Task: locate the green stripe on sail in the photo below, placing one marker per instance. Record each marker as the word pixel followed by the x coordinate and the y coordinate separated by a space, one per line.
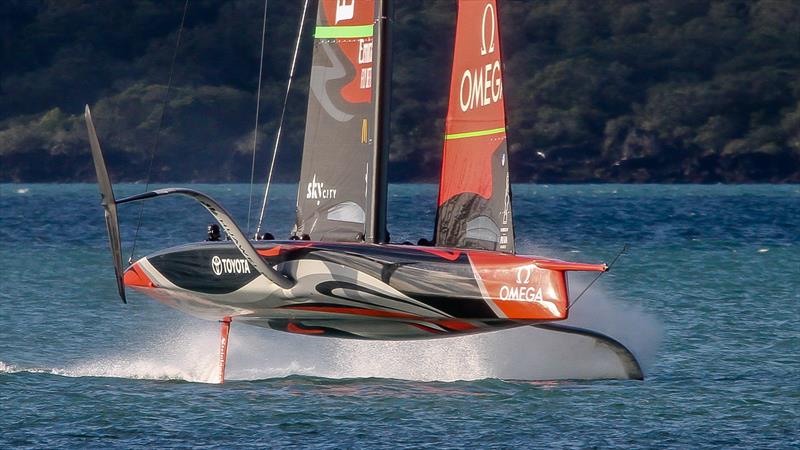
pixel 470 134
pixel 343 32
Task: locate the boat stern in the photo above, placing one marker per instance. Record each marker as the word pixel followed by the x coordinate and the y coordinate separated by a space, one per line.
pixel 526 288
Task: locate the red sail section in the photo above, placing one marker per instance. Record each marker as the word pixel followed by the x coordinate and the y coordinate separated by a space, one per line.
pixel 474 194
pixel 352 13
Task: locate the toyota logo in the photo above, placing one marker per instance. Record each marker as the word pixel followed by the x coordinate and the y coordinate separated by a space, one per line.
pixel 216 265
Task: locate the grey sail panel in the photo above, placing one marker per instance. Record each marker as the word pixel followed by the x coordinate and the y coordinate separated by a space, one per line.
pixel 336 198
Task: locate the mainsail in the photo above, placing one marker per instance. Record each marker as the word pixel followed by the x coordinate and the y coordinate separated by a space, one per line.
pixel 341 196
pixel 474 194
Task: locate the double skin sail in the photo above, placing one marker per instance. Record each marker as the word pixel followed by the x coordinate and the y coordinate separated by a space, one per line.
pixel 341 196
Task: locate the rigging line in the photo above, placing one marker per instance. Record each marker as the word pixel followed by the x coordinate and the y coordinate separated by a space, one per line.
pixel 160 126
pixel 258 110
pixel 610 265
pixel 283 115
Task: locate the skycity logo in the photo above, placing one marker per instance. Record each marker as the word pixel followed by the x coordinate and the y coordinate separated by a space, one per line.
pixel 345 10
pixel 229 266
pixel 317 191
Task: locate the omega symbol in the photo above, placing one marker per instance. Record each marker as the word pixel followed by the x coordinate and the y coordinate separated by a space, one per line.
pixel 488 11
pixel 524 274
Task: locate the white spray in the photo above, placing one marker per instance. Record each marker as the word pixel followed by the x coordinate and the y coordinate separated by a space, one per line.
pixel 189 352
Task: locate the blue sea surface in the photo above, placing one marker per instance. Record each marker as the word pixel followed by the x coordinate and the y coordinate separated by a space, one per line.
pixel 707 296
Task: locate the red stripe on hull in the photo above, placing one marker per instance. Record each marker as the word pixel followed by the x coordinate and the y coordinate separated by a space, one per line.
pixel 278 249
pixel 448 255
pixel 292 328
pixel 456 325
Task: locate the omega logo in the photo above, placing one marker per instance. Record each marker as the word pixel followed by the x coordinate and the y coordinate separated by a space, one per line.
pixel 483 86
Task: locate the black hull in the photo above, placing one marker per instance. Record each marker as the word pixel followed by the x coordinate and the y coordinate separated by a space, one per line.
pixel 362 291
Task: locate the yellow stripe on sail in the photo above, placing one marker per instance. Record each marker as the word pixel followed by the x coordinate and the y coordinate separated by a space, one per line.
pixel 469 134
pixel 344 32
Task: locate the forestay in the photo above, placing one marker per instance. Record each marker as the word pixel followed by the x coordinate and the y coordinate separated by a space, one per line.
pixel 474 194
pixel 341 195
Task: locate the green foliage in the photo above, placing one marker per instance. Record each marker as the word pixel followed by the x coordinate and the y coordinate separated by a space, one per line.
pixel 619 90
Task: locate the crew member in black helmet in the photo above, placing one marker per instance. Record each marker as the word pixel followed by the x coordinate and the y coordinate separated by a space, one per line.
pixel 213 232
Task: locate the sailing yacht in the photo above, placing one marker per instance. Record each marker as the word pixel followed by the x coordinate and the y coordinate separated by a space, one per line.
pixel 339 276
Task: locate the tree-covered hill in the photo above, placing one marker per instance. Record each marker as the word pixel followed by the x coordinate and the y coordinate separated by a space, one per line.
pixel 618 90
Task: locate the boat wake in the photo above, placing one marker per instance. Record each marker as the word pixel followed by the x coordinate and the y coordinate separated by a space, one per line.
pixel 189 353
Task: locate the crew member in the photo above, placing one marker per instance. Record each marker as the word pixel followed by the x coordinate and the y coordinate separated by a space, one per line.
pixel 213 233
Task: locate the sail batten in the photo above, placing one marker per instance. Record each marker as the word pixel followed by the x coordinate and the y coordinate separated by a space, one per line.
pixel 474 193
pixel 344 126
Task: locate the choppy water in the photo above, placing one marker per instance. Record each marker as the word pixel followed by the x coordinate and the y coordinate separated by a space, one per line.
pixel 707 296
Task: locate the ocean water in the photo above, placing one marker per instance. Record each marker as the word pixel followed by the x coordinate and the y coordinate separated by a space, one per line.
pixel 707 297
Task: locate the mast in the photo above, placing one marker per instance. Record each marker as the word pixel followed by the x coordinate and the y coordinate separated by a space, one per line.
pixel 378 232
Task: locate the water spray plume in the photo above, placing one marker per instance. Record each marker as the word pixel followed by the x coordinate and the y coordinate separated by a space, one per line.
pixel 189 353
